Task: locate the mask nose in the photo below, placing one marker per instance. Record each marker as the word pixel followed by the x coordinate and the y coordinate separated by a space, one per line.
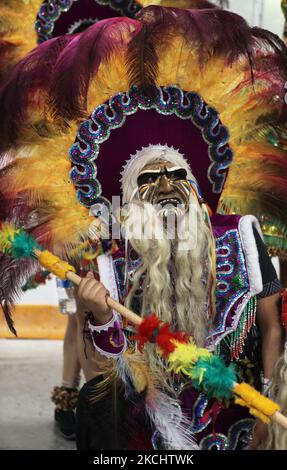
pixel 164 185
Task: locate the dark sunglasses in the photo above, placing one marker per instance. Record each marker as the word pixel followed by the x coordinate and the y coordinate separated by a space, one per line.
pixel 152 176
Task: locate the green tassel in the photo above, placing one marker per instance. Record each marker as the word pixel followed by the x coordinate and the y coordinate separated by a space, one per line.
pixel 213 377
pixel 23 245
pixel 30 284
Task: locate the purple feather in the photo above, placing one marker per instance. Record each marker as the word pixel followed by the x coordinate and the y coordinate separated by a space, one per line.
pixel 21 85
pixel 80 61
pixel 58 72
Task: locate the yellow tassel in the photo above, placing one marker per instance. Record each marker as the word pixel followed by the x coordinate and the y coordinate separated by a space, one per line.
pixel 184 356
pixel 258 405
pixel 55 265
pixel 253 411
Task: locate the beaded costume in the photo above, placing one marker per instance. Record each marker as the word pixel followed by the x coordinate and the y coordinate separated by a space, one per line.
pixel 202 81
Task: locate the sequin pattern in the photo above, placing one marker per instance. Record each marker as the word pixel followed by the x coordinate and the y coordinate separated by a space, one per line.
pixel 51 11
pixel 168 101
pixel 197 423
pixel 238 437
pixel 240 433
pixel 214 442
pixel 232 279
pixel 119 269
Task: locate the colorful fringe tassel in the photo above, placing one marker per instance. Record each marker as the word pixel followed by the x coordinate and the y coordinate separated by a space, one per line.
pixel 152 330
pixel 207 371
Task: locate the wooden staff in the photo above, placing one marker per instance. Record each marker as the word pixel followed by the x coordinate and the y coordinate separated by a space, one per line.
pixel 130 316
pixel 63 269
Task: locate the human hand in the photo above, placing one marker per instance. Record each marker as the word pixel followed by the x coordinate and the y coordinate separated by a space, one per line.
pixel 92 296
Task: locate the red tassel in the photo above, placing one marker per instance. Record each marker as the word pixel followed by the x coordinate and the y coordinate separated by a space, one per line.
pixel 40 278
pixel 147 331
pixel 152 331
pixel 165 339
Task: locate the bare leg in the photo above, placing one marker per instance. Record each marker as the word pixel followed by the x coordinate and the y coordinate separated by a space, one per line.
pixel 71 365
pixel 65 397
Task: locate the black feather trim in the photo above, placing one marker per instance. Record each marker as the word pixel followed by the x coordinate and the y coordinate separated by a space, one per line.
pixel 14 274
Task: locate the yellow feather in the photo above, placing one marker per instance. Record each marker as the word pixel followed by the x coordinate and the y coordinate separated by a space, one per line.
pixel 50 190
pixel 184 356
pixel 17 25
pixel 7 234
pixel 242 106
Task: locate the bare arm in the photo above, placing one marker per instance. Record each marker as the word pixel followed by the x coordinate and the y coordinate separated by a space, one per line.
pixel 268 321
pixel 91 295
pixel 92 362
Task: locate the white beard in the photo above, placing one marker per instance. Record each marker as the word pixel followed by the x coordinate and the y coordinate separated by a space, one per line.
pixel 178 270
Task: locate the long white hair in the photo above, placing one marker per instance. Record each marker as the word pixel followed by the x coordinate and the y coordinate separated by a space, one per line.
pixel 178 275
pixel 277 435
pixel 177 270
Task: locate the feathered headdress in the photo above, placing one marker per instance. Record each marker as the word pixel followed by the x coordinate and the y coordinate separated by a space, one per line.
pixel 25 23
pixel 257 181
pixel 202 81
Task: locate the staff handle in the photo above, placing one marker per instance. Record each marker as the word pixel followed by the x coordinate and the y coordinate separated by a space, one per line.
pixel 130 316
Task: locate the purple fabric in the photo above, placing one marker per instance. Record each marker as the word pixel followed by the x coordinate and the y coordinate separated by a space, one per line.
pixel 80 10
pixel 150 127
pixel 212 427
pixel 111 341
pixel 222 223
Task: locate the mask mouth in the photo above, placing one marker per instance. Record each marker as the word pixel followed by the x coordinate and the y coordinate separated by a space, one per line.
pixel 170 207
pixel 169 201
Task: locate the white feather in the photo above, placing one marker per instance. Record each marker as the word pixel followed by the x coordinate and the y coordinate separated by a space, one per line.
pixel 168 419
pixel 164 412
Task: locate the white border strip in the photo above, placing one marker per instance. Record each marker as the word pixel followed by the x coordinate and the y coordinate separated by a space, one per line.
pixel 107 275
pixel 245 228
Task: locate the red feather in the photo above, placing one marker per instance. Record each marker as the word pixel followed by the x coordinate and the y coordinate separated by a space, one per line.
pixel 151 330
pixel 166 337
pixel 146 331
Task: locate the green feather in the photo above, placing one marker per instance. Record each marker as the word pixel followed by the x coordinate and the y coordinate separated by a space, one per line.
pixel 30 284
pixel 211 375
pixel 23 245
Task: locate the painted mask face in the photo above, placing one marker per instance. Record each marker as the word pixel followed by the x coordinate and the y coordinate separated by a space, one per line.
pixel 163 184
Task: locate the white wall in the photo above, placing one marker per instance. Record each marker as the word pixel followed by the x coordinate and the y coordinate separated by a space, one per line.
pixel 43 295
pixel 272 17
